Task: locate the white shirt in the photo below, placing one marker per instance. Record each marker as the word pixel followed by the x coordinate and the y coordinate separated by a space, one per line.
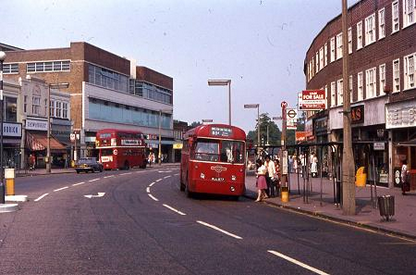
pixel 271 168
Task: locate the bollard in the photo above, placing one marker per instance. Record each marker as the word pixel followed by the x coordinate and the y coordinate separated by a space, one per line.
pixel 9 175
pixel 285 194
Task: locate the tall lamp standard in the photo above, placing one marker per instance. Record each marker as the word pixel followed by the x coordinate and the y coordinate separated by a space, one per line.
pixel 253 106
pixel 2 189
pixel 223 82
pixel 48 149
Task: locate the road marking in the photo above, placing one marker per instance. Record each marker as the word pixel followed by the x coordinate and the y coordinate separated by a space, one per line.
pixel 79 183
pixel 125 173
pixel 99 195
pixel 167 177
pixel 150 185
pixel 287 258
pixel 174 210
pixel 106 177
pixel 158 180
pixel 152 197
pixel 94 180
pixel 176 174
pixel 148 189
pixel 41 197
pixel 220 230
pixel 60 189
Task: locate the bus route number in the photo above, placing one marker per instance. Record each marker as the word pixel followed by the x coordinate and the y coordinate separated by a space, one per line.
pixel 222 132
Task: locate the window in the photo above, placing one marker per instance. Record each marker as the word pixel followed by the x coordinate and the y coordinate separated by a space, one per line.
pixel 409 71
pixel 340 92
pixel 396 75
pixel 333 95
pixel 370 29
pixel 10 68
pixel 317 62
pixel 58 109
pixel 382 74
pixel 381 24
pixel 339 46
pixel 409 10
pixel 321 57
pixel 108 79
pixel 370 81
pixel 350 87
pixel 64 110
pixel 46 107
pixel 325 54
pixel 35 105
pixel 395 16
pixel 50 66
pixel 25 104
pixel 52 108
pixel 332 45
pixel 359 35
pixel 360 92
pixel 11 109
pixel 313 67
pixel 326 96
pixel 350 40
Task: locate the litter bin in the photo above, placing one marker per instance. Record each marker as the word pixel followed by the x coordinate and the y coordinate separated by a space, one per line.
pixel 360 177
pixel 285 194
pixel 9 175
pixel 386 206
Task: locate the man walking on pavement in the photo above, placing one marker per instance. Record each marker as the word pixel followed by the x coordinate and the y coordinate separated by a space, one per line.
pixel 271 171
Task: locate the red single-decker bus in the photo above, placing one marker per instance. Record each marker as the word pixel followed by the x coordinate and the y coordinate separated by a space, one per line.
pixel 121 149
pixel 213 159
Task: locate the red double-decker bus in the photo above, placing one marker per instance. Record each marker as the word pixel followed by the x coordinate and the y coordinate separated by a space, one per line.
pixel 121 149
pixel 213 159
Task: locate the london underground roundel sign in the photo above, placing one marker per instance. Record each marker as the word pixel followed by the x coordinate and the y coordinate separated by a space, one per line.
pixel 115 152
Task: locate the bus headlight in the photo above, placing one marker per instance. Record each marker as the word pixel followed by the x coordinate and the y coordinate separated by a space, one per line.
pixel 232 189
pixel 202 176
pixel 233 177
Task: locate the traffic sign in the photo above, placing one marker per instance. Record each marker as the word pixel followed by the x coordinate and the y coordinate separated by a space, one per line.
pixel 283 104
pixel 72 137
pixel 292 113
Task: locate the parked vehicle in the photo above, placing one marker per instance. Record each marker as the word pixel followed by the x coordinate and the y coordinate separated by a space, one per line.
pixel 88 164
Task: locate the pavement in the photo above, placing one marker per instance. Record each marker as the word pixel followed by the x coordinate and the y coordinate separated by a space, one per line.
pixel 403 223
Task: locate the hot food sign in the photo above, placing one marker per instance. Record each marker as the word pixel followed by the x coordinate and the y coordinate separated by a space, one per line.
pixel 312 100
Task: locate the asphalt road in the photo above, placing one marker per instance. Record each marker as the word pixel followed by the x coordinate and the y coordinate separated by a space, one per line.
pixel 138 222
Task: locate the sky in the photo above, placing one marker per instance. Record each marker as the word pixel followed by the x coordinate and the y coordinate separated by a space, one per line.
pixel 259 44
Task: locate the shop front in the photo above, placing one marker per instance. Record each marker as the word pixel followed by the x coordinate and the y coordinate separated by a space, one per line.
pixel 12 135
pixel 36 144
pixel 401 121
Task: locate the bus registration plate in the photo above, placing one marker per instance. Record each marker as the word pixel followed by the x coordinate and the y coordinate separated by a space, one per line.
pixel 218 179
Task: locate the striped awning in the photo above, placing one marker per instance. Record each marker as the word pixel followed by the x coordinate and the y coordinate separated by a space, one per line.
pixel 39 142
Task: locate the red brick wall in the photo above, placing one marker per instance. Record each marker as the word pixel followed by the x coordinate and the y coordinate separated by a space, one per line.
pixel 149 75
pixel 386 50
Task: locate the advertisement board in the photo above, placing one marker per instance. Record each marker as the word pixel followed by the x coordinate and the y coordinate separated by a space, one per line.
pixel 312 100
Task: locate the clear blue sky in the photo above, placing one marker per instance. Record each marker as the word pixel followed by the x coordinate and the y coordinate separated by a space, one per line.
pixel 259 44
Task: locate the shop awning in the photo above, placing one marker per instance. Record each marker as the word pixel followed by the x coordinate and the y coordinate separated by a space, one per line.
pixel 39 142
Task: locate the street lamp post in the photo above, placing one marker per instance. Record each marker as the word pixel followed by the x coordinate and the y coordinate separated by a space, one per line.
pixel 2 188
pixel 223 82
pixel 48 149
pixel 252 106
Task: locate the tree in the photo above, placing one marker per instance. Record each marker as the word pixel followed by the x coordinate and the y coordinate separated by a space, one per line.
pixel 274 131
pixel 195 124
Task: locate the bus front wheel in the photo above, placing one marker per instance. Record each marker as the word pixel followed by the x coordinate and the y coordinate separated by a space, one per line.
pixel 188 193
pixel 126 166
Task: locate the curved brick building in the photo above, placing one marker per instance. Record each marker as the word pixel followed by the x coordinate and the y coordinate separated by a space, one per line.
pixel 381 55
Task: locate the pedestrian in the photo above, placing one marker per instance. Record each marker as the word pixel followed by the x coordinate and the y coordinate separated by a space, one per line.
pixel 261 183
pixel 271 171
pixel 150 159
pixel 276 178
pixel 314 166
pixel 32 162
pixel 295 163
pixel 405 178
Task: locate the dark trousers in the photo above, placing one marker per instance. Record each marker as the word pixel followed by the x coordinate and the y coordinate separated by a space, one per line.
pixel 270 187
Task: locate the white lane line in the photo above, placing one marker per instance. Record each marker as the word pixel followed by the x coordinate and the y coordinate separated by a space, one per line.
pixel 174 210
pixel 287 258
pixel 125 173
pixel 158 180
pixel 79 183
pixel 176 174
pixel 167 177
pixel 94 180
pixel 107 177
pixel 60 189
pixel 150 185
pixel 148 189
pixel 152 197
pixel 220 230
pixel 41 197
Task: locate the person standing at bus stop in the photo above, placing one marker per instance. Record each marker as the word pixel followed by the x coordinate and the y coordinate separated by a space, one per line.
pixel 405 178
pixel 271 171
pixel 261 183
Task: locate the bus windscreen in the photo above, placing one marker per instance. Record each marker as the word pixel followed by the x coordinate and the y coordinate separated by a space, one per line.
pixel 219 151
